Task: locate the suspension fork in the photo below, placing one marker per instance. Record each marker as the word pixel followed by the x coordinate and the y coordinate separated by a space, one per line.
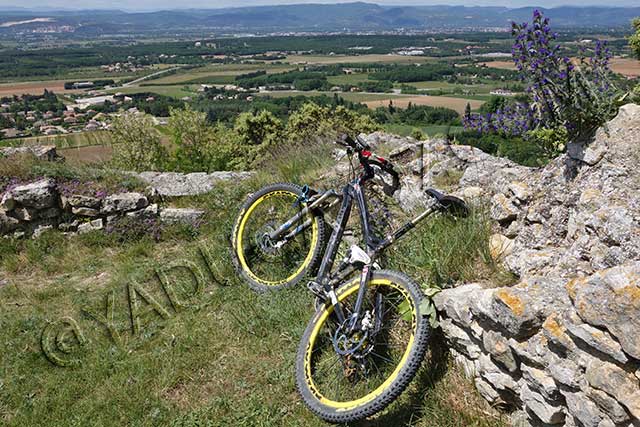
pixel 275 235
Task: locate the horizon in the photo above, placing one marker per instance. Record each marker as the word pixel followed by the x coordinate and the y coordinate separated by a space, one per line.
pixel 168 5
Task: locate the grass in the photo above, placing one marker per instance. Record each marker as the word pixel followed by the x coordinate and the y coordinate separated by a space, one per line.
pixel 27 168
pixel 432 130
pixel 349 96
pixel 175 91
pixel 346 79
pixel 226 360
pixel 81 139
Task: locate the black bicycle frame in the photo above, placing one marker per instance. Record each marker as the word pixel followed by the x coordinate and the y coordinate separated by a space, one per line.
pixel 374 246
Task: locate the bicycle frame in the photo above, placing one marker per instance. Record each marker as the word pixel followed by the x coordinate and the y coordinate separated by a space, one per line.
pixel 352 192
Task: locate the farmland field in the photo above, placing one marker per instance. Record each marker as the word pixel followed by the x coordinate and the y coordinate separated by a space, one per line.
pixel 33 88
pixel 175 91
pixel 81 139
pixel 626 66
pixel 226 72
pixel 349 96
pixel 457 104
pixel 359 59
pixel 346 79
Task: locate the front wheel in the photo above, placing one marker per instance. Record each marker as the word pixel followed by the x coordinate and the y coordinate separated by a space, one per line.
pixel 346 376
pixel 266 264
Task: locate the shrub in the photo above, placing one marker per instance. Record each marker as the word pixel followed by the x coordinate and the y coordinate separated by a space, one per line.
pixel 552 141
pixel 136 143
pixel 560 94
pixel 514 148
pixel 312 121
pixel 200 146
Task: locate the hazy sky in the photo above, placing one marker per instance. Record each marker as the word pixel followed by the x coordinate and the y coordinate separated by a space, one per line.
pixel 210 4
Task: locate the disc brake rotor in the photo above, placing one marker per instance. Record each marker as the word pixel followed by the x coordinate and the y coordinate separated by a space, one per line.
pixel 264 242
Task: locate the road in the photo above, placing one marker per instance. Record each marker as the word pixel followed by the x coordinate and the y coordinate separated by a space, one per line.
pixel 141 79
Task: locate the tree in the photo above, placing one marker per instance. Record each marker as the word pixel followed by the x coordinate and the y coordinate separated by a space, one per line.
pixel 312 121
pixel 257 132
pixel 261 128
pixel 136 143
pixel 634 43
pixel 200 146
pixel 308 122
pixel 634 40
pixel 467 111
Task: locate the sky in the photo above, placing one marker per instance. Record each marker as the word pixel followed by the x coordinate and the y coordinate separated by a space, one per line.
pixel 146 5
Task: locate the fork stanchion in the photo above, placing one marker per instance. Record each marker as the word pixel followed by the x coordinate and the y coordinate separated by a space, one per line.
pixel 421 164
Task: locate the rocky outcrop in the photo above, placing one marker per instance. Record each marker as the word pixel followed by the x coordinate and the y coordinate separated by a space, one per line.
pixel 562 346
pixel 559 350
pixel 41 152
pixel 33 208
pixel 174 184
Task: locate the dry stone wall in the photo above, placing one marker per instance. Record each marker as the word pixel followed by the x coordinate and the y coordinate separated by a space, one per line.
pixel 29 210
pixel 561 347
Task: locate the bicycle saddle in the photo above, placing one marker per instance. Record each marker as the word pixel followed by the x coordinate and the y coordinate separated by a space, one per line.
pixel 450 204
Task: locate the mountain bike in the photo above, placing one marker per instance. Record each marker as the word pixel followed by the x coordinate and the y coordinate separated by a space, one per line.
pixel 369 334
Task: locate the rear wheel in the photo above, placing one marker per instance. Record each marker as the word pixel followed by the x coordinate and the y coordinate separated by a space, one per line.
pixel 343 376
pixel 263 263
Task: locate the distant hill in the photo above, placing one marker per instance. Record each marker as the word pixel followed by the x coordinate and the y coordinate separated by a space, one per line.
pixel 322 17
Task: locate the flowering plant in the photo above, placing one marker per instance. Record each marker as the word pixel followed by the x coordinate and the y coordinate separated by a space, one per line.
pixel 561 94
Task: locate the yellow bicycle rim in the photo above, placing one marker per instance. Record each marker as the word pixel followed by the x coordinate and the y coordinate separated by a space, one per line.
pixel 240 251
pixel 319 322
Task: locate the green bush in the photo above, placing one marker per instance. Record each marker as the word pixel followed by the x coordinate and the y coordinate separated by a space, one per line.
pixel 136 143
pixel 200 146
pixel 517 149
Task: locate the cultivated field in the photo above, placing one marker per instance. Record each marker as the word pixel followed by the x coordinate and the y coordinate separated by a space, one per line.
pixel 33 88
pixel 81 139
pixel 359 59
pixel 457 104
pixel 225 72
pixel 626 66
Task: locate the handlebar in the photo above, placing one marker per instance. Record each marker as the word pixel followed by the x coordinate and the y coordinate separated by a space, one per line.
pixel 368 159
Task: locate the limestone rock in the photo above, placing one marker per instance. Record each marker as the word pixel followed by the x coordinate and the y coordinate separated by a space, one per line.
pixel 123 202
pixel 178 184
pixel 187 216
pixel 611 299
pixel 150 211
pixel 42 152
pixel 502 209
pixel 486 390
pixel 7 223
pixel 500 246
pixel 608 405
pixel 499 379
pixel 583 409
pixel 77 200
pixel 599 340
pixel 456 302
pixel 40 230
pixel 39 195
pixel 616 382
pixel 547 412
pixel 459 339
pixel 520 190
pixel 498 347
pixel 82 211
pixel 87 227
pixel 521 309
pixel 24 214
pixel 538 381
